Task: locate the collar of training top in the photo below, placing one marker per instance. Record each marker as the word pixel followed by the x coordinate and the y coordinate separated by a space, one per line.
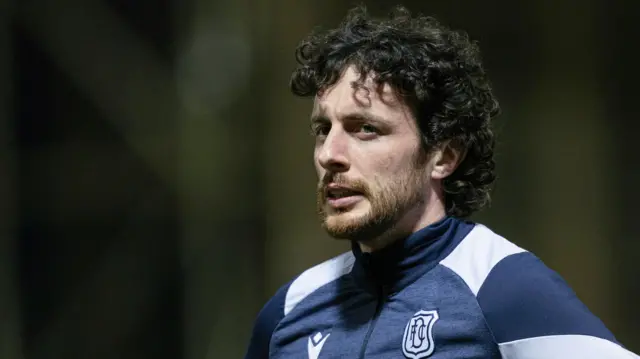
pixel 394 267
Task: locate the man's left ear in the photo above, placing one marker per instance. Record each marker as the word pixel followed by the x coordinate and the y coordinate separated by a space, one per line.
pixel 446 159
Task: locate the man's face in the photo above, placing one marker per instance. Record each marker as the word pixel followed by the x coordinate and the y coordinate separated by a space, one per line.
pixel 371 168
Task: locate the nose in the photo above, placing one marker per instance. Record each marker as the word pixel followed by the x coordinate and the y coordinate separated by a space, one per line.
pixel 332 154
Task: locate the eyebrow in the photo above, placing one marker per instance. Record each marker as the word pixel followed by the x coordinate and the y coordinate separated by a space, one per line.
pixel 365 116
pixel 320 115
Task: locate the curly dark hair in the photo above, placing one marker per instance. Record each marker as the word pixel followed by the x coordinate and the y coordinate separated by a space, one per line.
pixel 439 74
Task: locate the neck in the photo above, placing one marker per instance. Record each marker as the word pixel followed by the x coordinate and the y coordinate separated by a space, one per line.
pixel 412 221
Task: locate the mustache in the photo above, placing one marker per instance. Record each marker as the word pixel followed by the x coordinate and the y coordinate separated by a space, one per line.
pixel 343 181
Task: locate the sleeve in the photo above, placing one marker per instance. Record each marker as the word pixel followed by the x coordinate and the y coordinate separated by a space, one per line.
pixel 533 314
pixel 268 318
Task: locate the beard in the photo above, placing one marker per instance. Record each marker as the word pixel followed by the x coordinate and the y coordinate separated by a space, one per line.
pixel 389 200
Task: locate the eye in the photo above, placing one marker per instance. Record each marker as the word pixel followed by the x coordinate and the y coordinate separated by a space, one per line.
pixel 320 129
pixel 367 128
pixel 366 131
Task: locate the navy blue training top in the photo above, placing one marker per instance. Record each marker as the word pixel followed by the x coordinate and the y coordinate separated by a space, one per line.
pixel 452 290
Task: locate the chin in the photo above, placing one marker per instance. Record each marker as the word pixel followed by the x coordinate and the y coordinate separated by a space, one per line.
pixel 341 224
pixel 359 209
pixel 343 217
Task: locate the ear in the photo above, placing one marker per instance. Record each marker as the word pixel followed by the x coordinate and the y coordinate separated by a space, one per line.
pixel 445 159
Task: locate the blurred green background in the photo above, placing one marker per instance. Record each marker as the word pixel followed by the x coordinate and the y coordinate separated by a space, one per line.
pixel 156 176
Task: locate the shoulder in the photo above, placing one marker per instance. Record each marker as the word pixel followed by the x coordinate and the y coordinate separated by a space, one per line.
pixel 288 296
pixel 527 306
pixel 268 318
pixel 533 313
pixel 474 258
pixel 316 277
pixel 523 298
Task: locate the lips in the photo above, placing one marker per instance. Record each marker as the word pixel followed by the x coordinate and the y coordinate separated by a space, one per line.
pixel 337 192
pixel 341 197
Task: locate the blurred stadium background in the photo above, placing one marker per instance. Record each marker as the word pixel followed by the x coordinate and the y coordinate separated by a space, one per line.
pixel 156 180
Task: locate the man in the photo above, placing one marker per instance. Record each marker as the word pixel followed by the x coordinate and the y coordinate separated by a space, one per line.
pixel 404 154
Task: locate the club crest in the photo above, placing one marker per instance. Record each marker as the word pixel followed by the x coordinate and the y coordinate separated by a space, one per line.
pixel 417 341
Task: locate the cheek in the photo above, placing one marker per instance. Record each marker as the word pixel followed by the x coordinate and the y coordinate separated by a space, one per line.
pixel 396 168
pixel 319 169
pixel 392 156
pixel 388 164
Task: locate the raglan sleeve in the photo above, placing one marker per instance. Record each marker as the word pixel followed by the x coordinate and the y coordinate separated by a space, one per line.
pixel 534 314
pixel 265 323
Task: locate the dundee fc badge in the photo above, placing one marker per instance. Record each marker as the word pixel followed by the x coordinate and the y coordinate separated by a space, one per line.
pixel 417 341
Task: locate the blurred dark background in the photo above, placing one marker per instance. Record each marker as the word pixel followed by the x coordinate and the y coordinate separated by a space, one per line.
pixel 156 178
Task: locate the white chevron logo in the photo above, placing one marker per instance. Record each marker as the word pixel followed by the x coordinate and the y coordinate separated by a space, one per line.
pixel 315 343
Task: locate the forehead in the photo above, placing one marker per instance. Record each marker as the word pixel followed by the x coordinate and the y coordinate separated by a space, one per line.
pixel 350 95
